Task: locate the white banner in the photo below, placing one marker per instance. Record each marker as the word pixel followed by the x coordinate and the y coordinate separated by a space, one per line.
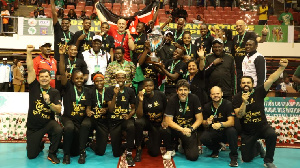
pixel 14 102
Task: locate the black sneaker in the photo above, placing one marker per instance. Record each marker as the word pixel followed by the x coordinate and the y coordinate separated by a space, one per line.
pixel 138 156
pixel 233 163
pixel 82 157
pixel 214 154
pixel 53 158
pixel 129 160
pixel 66 159
pixel 270 165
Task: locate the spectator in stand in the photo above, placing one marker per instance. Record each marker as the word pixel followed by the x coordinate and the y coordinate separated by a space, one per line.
pixel 5 76
pixel 18 81
pixel 198 20
pixel 59 4
pixel 71 2
pixel 262 13
pixel 173 4
pixel 270 9
pixel 5 20
pixel 182 12
pixel 82 16
pixel 283 85
pixel 60 13
pixel 39 6
pixel 174 14
pixel 94 17
pixel 286 18
pixel 296 78
pixel 36 14
pixel 41 14
pixel 72 14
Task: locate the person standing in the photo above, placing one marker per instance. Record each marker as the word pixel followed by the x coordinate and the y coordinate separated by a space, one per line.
pixel 249 108
pixel 178 33
pixel 108 42
pixel 205 40
pixel 183 115
pixel 44 103
pixel 96 58
pixel 139 42
pixel 296 78
pixel 83 38
pixel 121 107
pixel 254 64
pixel 190 49
pixel 286 18
pixel 165 52
pixel 262 13
pixel 218 118
pixel 5 76
pixel 18 81
pixel 150 111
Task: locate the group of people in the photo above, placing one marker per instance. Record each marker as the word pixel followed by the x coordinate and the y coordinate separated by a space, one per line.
pixel 94 74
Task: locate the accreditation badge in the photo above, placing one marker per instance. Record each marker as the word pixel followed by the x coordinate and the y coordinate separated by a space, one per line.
pixel 97 68
pixel 52 74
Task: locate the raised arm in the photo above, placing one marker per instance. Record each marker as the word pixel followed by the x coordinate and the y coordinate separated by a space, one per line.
pixel 54 13
pixel 274 76
pixel 156 13
pixel 139 110
pixel 62 66
pixel 143 57
pixel 31 72
pixel 200 53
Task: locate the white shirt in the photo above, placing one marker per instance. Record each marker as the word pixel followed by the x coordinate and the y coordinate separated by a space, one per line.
pixel 93 59
pixel 5 73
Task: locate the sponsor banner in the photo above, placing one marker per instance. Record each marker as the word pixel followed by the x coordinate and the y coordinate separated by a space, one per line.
pixel 38 26
pixel 282 106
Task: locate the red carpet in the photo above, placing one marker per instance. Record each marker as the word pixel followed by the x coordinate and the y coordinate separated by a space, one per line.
pixel 147 161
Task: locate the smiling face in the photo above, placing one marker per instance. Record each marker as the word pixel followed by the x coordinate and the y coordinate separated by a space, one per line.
pixel 217 49
pixel 46 49
pixel 78 79
pixel 87 24
pixel 246 84
pixel 104 28
pixel 99 83
pixel 118 55
pixel 177 54
pixel 96 44
pixel 121 24
pixel 44 78
pixel 216 93
pixel 250 46
pixel 140 28
pixel 203 30
pixel 65 25
pixel 187 39
pixel 240 26
pixel 121 78
pixel 192 68
pixel 72 52
pixel 180 24
pixel 182 93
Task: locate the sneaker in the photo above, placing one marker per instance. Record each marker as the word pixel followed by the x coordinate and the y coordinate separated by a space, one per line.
pixel 214 154
pixel 130 161
pixel 66 159
pixel 270 165
pixel 233 163
pixel 53 158
pixel 138 156
pixel 223 146
pixel 262 149
pixel 169 154
pixel 82 157
pixel 200 150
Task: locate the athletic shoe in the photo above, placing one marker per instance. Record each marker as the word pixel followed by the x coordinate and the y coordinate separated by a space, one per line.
pixel 129 160
pixel 223 146
pixel 82 157
pixel 169 154
pixel 66 159
pixel 214 154
pixel 270 165
pixel 262 149
pixel 138 156
pixel 200 150
pixel 53 158
pixel 233 162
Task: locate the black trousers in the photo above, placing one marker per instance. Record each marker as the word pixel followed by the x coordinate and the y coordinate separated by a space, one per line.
pixel 74 142
pixel 155 133
pixel 189 144
pixel 250 147
pixel 34 138
pixel 4 87
pixel 211 139
pixel 101 134
pixel 116 127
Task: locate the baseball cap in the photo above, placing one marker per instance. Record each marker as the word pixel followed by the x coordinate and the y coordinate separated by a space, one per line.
pixel 97 37
pixel 168 32
pixel 217 40
pixel 44 43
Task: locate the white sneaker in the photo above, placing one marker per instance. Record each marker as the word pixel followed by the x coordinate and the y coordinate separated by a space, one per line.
pixel 168 155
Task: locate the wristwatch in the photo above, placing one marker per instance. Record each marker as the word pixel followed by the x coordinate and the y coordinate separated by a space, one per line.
pixel 192 129
pixel 222 126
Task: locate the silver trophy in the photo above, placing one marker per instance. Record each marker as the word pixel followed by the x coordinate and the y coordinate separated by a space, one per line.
pixel 156 39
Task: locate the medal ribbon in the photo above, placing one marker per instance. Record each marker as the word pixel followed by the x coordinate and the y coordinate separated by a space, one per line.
pixel 240 42
pixel 43 92
pixel 212 109
pixel 71 65
pixel 173 66
pixel 88 36
pixel 186 103
pixel 188 53
pixel 67 40
pixel 77 97
pixel 97 92
pixel 175 37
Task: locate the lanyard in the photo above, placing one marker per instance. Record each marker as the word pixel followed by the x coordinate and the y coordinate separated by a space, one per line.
pixel 212 109
pixel 186 103
pixel 188 52
pixel 176 36
pixel 77 97
pixel 95 55
pixel 173 66
pixel 137 39
pixel 46 61
pixel 44 92
pixel 88 36
pixel 67 40
pixel 240 42
pixel 99 104
pixel 71 66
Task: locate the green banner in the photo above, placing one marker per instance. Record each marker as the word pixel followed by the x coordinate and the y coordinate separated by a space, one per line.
pixel 282 106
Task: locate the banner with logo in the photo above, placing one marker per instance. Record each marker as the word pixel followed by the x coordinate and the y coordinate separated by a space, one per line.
pixel 282 106
pixel 38 26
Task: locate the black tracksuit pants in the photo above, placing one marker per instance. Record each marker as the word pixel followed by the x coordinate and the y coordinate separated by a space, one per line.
pixel 116 127
pixel 34 138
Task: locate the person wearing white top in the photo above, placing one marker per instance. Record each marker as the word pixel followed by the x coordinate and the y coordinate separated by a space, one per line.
pixel 5 76
pixel 95 58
